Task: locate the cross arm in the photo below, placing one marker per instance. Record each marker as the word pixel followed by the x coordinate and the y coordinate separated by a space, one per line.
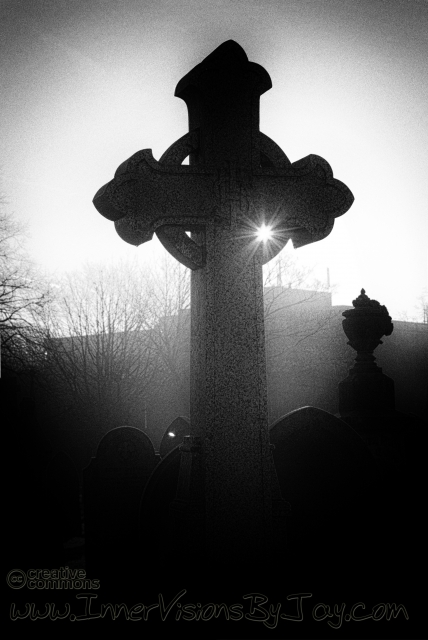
pixel 146 195
pixel 300 201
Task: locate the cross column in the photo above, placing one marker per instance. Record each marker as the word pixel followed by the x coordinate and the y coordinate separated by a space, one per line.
pixel 229 394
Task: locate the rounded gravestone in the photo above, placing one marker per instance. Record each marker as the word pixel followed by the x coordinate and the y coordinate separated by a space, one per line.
pixel 332 483
pixel 113 485
pixel 126 451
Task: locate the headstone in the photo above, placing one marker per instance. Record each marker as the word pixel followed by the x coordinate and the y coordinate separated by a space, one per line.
pixel 156 534
pixel 174 435
pixel 329 477
pixel 113 485
pixel 237 180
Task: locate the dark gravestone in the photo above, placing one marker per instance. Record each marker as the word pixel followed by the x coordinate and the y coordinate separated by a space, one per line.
pixel 62 492
pixel 156 535
pixel 329 477
pixel 174 435
pixel 113 485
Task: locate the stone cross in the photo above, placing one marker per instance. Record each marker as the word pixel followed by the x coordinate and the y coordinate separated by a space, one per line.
pixel 237 180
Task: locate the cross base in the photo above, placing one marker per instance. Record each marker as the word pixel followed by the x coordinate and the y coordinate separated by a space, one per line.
pixel 212 546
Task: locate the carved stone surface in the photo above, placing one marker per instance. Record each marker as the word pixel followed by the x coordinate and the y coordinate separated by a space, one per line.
pixel 237 180
pixel 365 325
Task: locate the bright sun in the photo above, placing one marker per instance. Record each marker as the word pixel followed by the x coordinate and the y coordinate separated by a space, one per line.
pixel 264 233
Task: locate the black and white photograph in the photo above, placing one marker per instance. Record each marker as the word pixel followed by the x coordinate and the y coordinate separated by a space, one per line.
pixel 214 317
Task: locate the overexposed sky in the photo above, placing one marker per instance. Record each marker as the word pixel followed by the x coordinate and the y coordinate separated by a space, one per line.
pixel 87 83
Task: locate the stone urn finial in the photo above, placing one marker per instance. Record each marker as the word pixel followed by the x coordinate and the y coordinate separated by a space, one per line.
pixel 366 388
pixel 364 327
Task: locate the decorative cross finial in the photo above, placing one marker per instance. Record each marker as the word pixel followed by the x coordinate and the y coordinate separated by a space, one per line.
pixel 238 178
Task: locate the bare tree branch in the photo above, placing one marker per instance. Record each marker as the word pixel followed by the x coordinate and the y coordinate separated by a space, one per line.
pixel 23 294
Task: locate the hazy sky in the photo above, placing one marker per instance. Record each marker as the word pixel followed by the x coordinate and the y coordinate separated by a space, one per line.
pixel 87 83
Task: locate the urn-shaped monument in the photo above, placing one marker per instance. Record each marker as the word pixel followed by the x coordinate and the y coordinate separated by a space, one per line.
pixel 366 388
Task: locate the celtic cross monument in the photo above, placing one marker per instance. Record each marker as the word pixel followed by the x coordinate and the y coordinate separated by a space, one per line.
pixel 237 180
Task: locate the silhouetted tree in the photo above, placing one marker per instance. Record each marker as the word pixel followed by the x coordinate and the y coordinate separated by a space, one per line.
pixel 422 307
pixel 98 351
pixel 297 306
pixel 24 294
pixel 301 354
pixel 169 287
pixel 117 338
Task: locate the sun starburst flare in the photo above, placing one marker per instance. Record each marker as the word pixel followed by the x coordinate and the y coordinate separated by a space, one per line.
pixel 264 233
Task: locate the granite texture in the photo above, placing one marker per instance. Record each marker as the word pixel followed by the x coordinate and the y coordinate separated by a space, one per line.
pixel 237 179
pixel 228 401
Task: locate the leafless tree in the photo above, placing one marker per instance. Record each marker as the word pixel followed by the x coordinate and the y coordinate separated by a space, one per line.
pixel 23 295
pixel 422 307
pixel 117 337
pixel 300 322
pixel 297 305
pixel 169 287
pixel 98 350
pixel 419 313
